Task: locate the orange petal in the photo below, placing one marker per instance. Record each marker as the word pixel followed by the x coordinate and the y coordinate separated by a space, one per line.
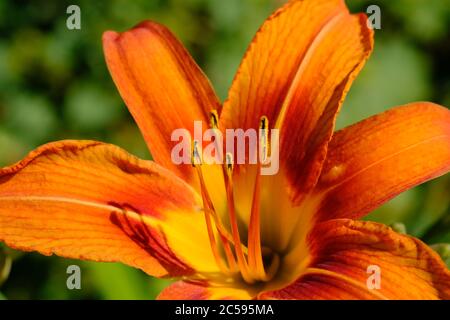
pixel 183 290
pixel 345 254
pixel 296 72
pixel 373 161
pixel 161 84
pixel 94 201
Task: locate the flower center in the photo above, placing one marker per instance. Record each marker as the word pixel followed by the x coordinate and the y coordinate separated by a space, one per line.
pixel 252 262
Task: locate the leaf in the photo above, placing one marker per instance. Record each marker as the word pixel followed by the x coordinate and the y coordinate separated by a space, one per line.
pixel 399 227
pixel 119 282
pixel 396 74
pixel 5 265
pixel 443 249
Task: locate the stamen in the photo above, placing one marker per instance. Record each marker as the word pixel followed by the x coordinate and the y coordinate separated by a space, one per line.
pixel 264 139
pixel 250 261
pixel 209 210
pixel 255 251
pixel 254 234
pixel 255 254
pixel 242 262
pixel 212 238
pixel 225 236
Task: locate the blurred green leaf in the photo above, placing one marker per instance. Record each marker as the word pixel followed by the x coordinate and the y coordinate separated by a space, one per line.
pixel 397 209
pixel 399 227
pixel 88 108
pixel 5 265
pixel 11 148
pixel 425 19
pixel 31 117
pixel 443 249
pixel 116 281
pixel 396 74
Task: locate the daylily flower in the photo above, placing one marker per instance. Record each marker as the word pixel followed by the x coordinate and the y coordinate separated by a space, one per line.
pixel 227 231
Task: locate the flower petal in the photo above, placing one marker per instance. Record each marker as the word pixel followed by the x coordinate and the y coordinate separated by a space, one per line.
pixel 346 253
pixel 373 161
pixel 296 72
pixel 162 86
pixel 94 201
pixel 183 290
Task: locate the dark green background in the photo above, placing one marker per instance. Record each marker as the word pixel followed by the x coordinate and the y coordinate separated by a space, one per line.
pixel 54 85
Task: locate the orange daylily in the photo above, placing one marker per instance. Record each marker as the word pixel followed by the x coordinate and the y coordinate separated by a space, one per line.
pixel 229 232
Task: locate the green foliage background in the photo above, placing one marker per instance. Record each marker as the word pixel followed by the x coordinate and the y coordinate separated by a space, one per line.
pixel 54 85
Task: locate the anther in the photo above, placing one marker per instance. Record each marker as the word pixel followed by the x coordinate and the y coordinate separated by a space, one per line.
pixel 196 159
pixel 263 139
pixel 263 123
pixel 229 163
pixel 214 119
